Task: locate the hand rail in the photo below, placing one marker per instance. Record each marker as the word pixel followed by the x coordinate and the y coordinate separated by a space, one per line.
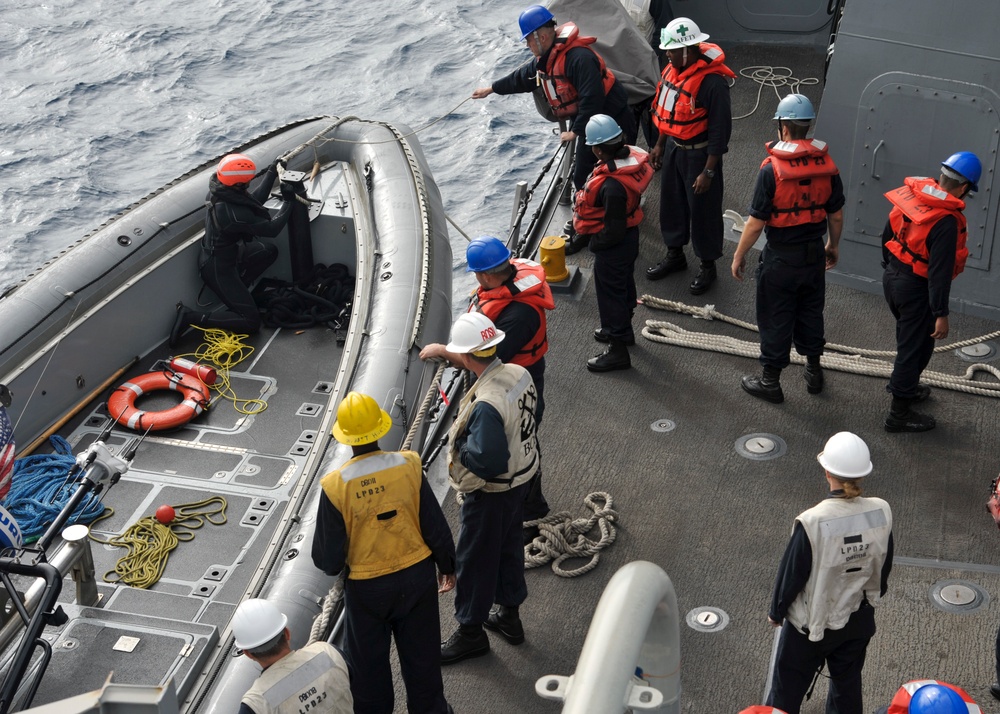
pixel 635 632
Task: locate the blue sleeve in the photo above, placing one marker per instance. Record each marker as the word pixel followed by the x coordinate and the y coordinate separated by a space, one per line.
pixel 762 203
pixel 484 448
pixel 887 566
pixel 941 245
pixel 519 81
pixel 583 69
pixel 435 531
pixel 837 199
pixel 793 573
pixel 245 709
pixel 519 323
pixel 714 95
pixel 329 548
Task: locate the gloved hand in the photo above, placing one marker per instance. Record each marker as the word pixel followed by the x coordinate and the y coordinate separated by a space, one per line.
pixel 287 191
pixel 275 164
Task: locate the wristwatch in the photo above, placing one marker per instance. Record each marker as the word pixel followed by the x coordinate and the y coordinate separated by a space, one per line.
pixel 709 172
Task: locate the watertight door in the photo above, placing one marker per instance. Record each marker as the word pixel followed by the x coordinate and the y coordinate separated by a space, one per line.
pixel 801 16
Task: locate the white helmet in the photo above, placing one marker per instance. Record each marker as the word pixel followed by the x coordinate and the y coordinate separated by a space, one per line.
pixel 473 332
pixel 846 456
pixel 257 622
pixel 681 32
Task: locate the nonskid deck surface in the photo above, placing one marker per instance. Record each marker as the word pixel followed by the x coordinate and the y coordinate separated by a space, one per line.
pixel 253 462
pixel 716 521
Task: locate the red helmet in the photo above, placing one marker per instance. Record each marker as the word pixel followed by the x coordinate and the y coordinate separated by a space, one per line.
pixel 236 168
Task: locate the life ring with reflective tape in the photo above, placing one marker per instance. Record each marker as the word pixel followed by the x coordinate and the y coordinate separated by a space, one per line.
pixel 121 403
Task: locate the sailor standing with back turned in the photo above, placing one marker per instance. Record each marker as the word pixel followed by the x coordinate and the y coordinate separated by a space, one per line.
pixel 837 562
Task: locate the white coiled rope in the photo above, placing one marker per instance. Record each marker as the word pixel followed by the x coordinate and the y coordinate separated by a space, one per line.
pixel 562 537
pixel 839 357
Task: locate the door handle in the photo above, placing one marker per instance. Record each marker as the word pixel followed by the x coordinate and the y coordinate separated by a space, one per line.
pixel 875 157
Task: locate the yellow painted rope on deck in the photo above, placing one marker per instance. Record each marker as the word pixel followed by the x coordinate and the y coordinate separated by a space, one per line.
pixel 150 542
pixel 224 350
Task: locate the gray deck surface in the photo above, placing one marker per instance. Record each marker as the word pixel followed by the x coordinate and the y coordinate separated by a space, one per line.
pixel 717 522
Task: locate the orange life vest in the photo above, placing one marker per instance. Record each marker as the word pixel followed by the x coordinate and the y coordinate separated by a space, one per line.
pixel 917 206
pixel 633 172
pixel 802 185
pixel 901 701
pixel 562 95
pixel 675 110
pixel 529 287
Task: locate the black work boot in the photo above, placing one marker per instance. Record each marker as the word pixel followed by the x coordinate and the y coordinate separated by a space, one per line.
pixel 601 335
pixel 507 622
pixel 767 386
pixel 182 320
pixel 615 357
pixel 902 418
pixel 813 375
pixel 576 243
pixel 706 276
pixel 673 263
pixel 466 642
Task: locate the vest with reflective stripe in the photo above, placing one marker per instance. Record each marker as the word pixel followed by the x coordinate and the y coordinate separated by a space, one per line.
pixel 638 10
pixel 509 389
pixel 917 206
pixel 850 540
pixel 674 109
pixel 634 173
pixel 530 287
pixel 562 95
pixel 802 170
pixel 901 701
pixel 315 675
pixel 378 495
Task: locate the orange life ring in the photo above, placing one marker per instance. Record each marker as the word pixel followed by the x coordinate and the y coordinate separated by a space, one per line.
pixel 121 403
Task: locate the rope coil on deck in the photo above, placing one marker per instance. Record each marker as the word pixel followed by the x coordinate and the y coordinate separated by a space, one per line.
pixel 150 542
pixel 849 359
pixel 39 491
pixel 562 537
pixel 224 350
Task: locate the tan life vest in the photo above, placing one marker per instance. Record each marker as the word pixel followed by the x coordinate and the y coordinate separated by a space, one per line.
pixel 510 390
pixel 315 675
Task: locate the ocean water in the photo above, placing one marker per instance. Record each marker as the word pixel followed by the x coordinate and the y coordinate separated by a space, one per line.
pixel 103 101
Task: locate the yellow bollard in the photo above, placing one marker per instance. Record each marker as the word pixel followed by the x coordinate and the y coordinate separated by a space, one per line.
pixel 552 250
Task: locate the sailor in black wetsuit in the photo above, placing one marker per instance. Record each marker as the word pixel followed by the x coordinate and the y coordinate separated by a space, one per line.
pixel 231 256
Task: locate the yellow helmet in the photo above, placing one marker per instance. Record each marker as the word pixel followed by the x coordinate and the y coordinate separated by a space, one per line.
pixel 360 420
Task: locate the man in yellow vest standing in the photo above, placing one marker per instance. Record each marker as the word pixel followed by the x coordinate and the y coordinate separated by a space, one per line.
pixel 381 521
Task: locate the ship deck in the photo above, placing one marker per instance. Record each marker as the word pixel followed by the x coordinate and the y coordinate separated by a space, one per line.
pixel 716 521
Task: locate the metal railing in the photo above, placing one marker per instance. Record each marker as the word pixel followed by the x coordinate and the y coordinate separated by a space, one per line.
pixel 635 634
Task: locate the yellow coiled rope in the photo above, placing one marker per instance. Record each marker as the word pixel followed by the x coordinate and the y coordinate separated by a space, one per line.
pixel 150 542
pixel 224 350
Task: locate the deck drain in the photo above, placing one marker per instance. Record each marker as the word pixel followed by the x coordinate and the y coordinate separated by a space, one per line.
pixel 761 447
pixel 958 596
pixel 707 619
pixel 662 425
pixel 981 352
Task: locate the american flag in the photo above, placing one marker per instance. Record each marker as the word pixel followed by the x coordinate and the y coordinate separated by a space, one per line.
pixel 6 452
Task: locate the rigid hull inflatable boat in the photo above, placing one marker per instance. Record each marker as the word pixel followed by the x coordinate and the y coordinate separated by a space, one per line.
pixel 100 314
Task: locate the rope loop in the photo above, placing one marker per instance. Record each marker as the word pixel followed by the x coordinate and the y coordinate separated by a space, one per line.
pixel 561 537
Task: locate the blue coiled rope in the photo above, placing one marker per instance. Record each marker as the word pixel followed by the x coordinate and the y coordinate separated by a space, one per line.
pixel 39 491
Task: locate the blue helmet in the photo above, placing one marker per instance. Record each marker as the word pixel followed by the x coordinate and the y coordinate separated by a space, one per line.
pixel 533 18
pixel 601 129
pixel 486 253
pixel 965 164
pixel 937 699
pixel 795 107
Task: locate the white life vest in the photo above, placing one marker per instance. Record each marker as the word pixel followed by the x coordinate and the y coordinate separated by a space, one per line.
pixel 510 390
pixel 850 541
pixel 315 675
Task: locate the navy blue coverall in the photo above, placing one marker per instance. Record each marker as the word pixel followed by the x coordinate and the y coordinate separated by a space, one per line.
pixel 791 278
